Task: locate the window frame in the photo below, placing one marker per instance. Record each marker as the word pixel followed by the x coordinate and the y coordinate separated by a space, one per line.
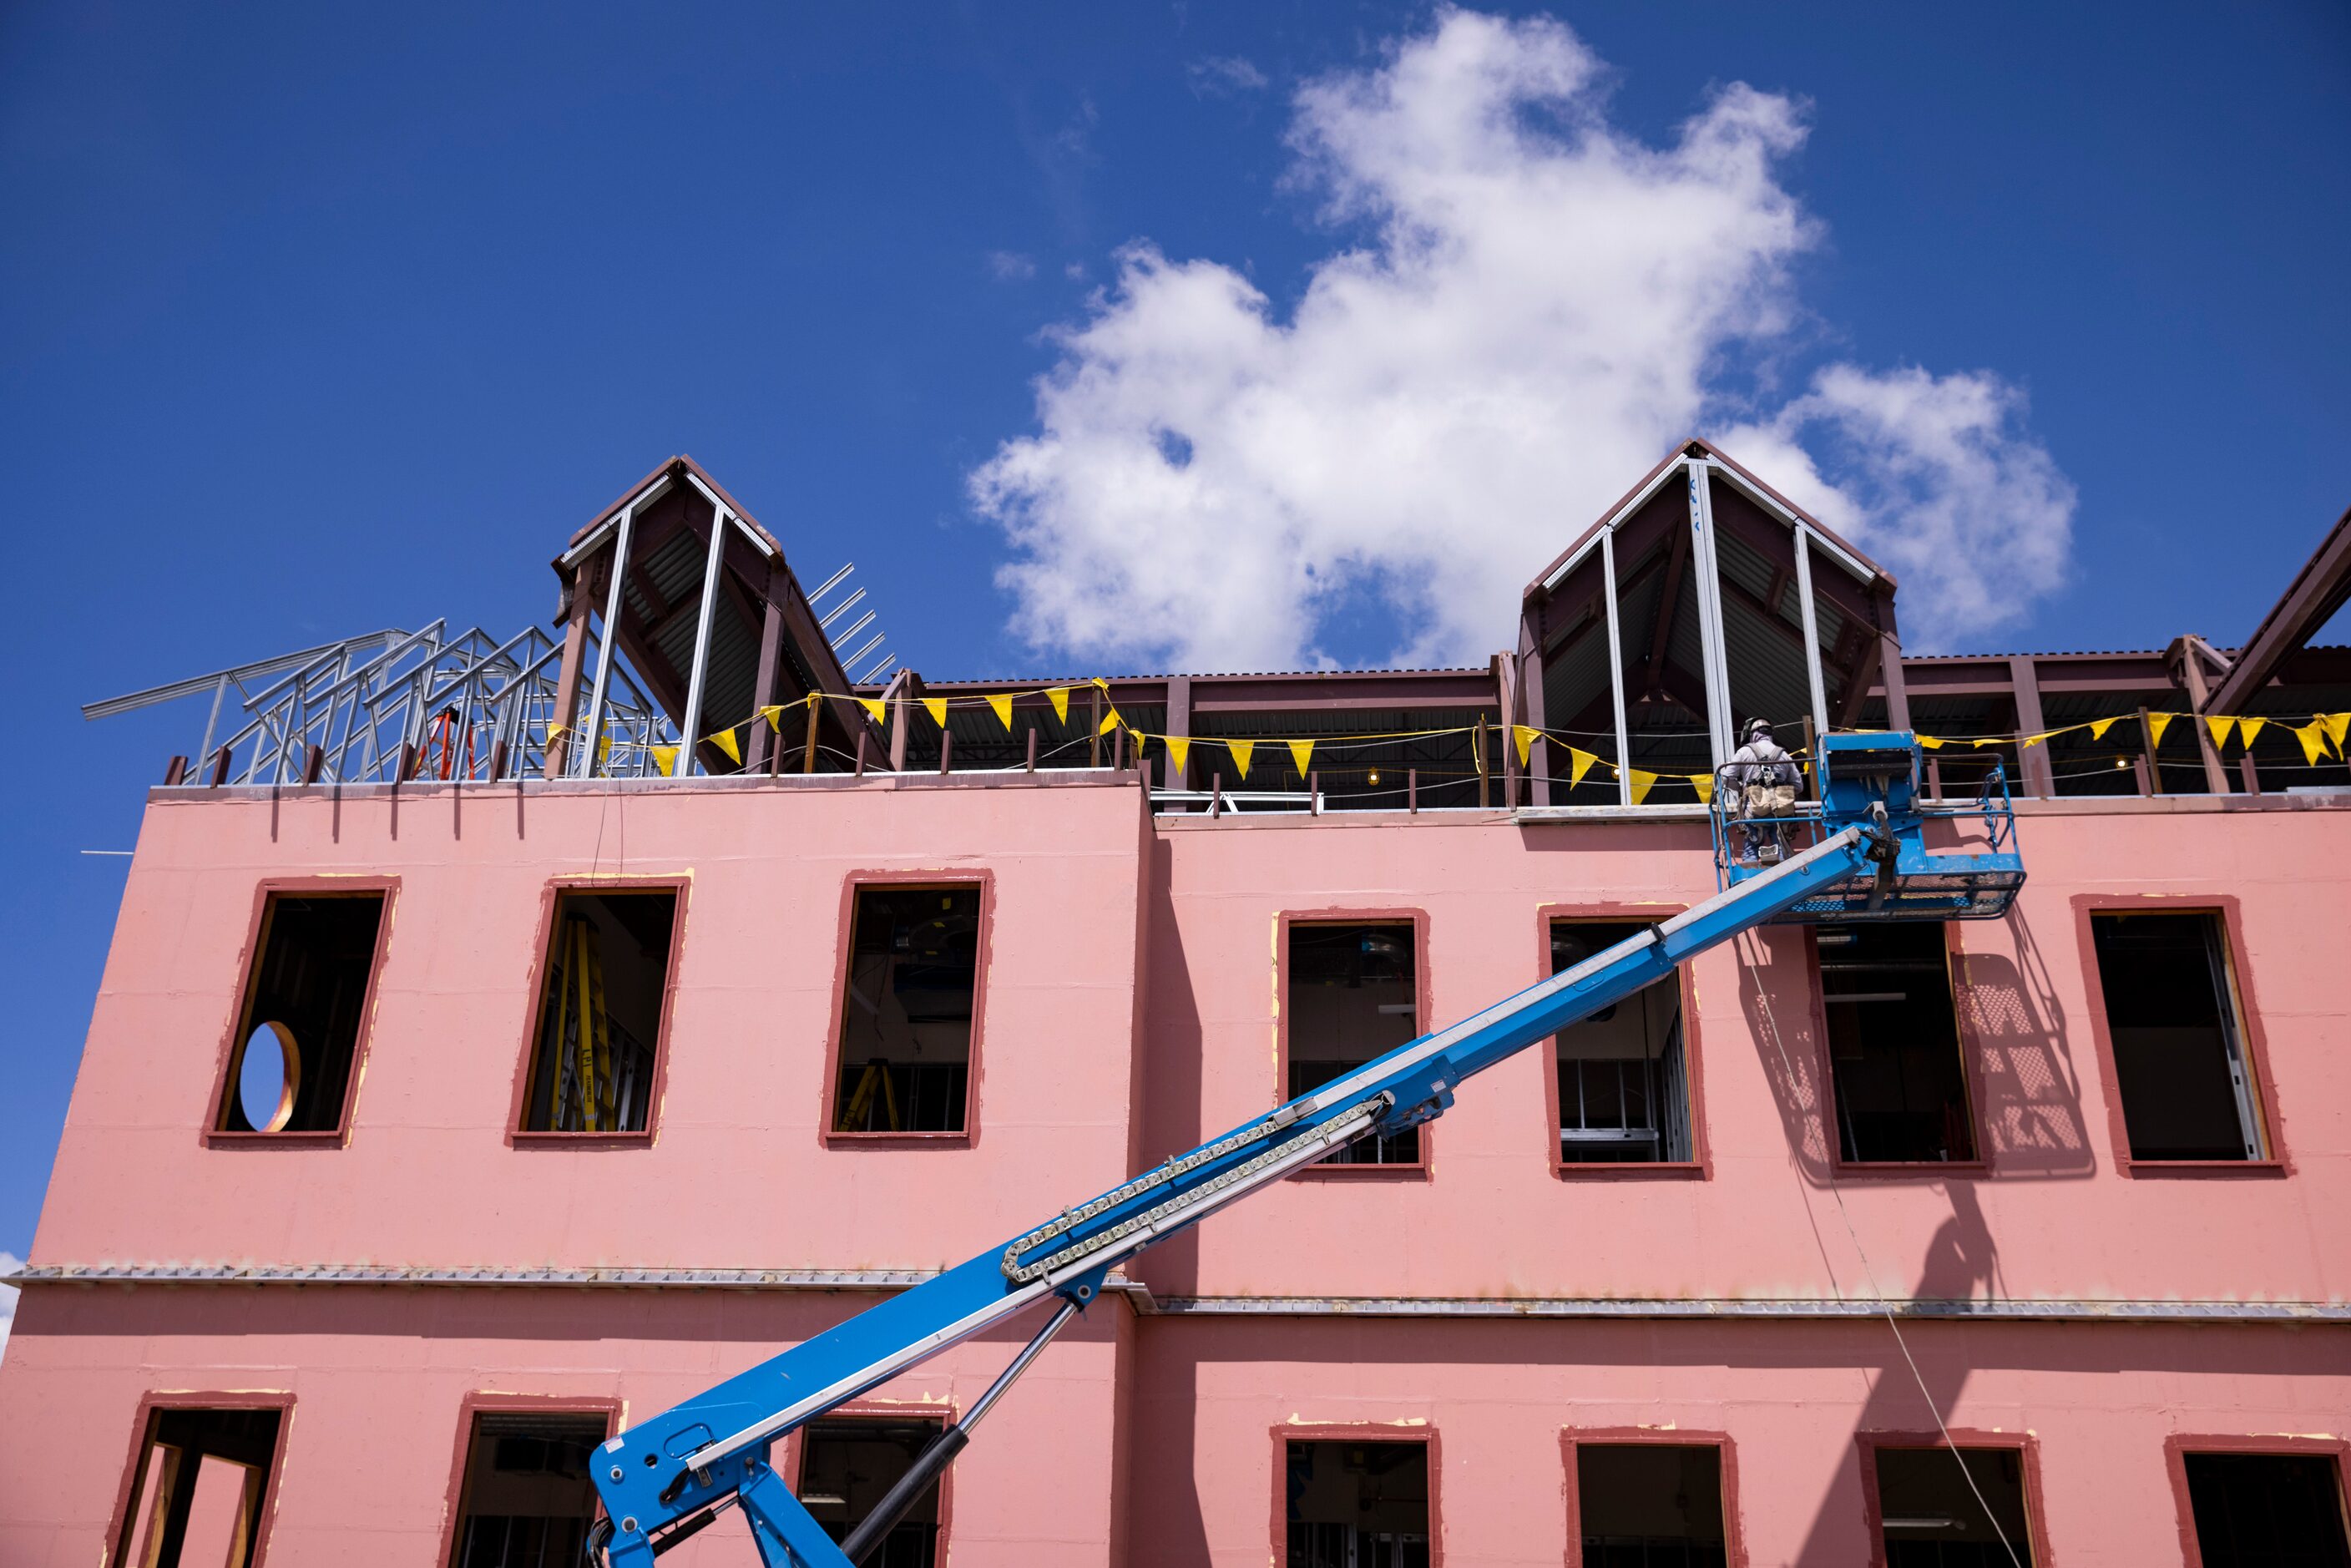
pixel 2025 1444
pixel 231 1055
pixel 550 903
pixel 1423 1433
pixel 134 1467
pixel 2226 907
pixel 945 879
pixel 614 1412
pixel 1285 920
pixel 1734 1538
pixel 1700 1166
pixel 2177 1445
pixel 946 1412
pixel 1966 1040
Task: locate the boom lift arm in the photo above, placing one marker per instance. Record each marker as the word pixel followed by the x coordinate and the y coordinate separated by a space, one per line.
pixel 667 1478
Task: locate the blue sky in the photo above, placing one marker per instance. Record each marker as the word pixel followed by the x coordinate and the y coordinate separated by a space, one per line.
pixel 315 320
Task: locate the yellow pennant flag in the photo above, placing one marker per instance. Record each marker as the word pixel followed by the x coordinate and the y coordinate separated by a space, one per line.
pixel 1179 750
pixel 2040 739
pixel 2220 728
pixel 2312 736
pixel 665 759
pixel 1578 763
pixel 1003 707
pixel 1704 784
pixel 554 730
pixel 1931 743
pixel 1980 745
pixel 937 709
pixel 604 749
pixel 1641 783
pixel 1061 696
pixel 725 741
pixel 1241 751
pixel 2099 727
pixel 774 716
pixel 2338 725
pixel 2249 727
pixel 1525 738
pixel 879 710
pixel 2156 722
pixel 1109 721
pixel 1300 750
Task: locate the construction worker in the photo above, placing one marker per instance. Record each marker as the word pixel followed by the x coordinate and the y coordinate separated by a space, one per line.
pixel 1765 776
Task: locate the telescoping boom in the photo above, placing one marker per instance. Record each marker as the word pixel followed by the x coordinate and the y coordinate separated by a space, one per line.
pixel 666 1480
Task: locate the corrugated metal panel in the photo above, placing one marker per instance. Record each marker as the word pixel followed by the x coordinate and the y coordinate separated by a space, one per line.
pixel 1576 676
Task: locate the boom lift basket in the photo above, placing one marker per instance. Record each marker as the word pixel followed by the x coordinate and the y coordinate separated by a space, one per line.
pixel 1971 873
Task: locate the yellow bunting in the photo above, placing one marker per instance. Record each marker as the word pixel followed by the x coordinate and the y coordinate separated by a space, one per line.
pixel 1003 707
pixel 1109 721
pixel 1525 738
pixel 2156 722
pixel 2220 727
pixel 1300 750
pixel 2312 736
pixel 937 709
pixel 1641 783
pixel 1704 784
pixel 2041 739
pixel 774 716
pixel 2099 727
pixel 553 730
pixel 1241 751
pixel 1179 751
pixel 1578 763
pixel 875 706
pixel 1932 743
pixel 2338 726
pixel 725 741
pixel 1098 681
pixel 665 759
pixel 604 749
pixel 2249 727
pixel 1061 696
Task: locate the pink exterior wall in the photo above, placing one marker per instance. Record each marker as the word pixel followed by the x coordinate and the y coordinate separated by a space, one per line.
pixel 1130 1009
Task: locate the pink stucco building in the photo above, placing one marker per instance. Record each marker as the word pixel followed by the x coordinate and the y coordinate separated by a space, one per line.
pixel 354 1243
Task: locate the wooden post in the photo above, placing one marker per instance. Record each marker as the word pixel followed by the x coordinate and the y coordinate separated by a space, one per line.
pixel 2151 769
pixel 1032 748
pixel 176 771
pixel 1314 794
pixel 860 751
pixel 808 747
pixel 1412 790
pixel 1094 723
pixel 217 775
pixel 1482 801
pixel 567 674
pixel 1216 792
pixel 946 745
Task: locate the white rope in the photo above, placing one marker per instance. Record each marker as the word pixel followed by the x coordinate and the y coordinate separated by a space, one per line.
pixel 1869 1272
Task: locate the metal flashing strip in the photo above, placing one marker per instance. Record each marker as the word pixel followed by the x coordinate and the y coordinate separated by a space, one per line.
pixel 1711 1308
pixel 1718 1308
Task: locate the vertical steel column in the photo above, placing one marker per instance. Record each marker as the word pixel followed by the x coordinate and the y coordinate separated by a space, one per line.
pixel 689 731
pixel 1709 613
pixel 604 642
pixel 1820 689
pixel 1616 665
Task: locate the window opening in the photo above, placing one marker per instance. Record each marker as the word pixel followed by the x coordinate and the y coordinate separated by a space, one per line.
pixel 1894 1044
pixel 1357 1505
pixel 599 1013
pixel 526 1499
pixel 197 1495
pixel 907 1021
pixel 848 1465
pixel 1352 998
pixel 1928 1517
pixel 2267 1511
pixel 1624 1083
pixel 305 1005
pixel 2179 1057
pixel 1650 1505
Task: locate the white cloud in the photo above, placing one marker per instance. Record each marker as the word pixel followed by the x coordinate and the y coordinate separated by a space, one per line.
pixel 1226 74
pixel 1010 266
pixel 1539 305
pixel 9 1264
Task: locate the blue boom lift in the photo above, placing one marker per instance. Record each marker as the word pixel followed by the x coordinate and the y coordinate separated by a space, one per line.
pixel 1858 853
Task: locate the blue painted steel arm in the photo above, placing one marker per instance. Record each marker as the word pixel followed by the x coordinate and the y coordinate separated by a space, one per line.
pixel 658 1479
